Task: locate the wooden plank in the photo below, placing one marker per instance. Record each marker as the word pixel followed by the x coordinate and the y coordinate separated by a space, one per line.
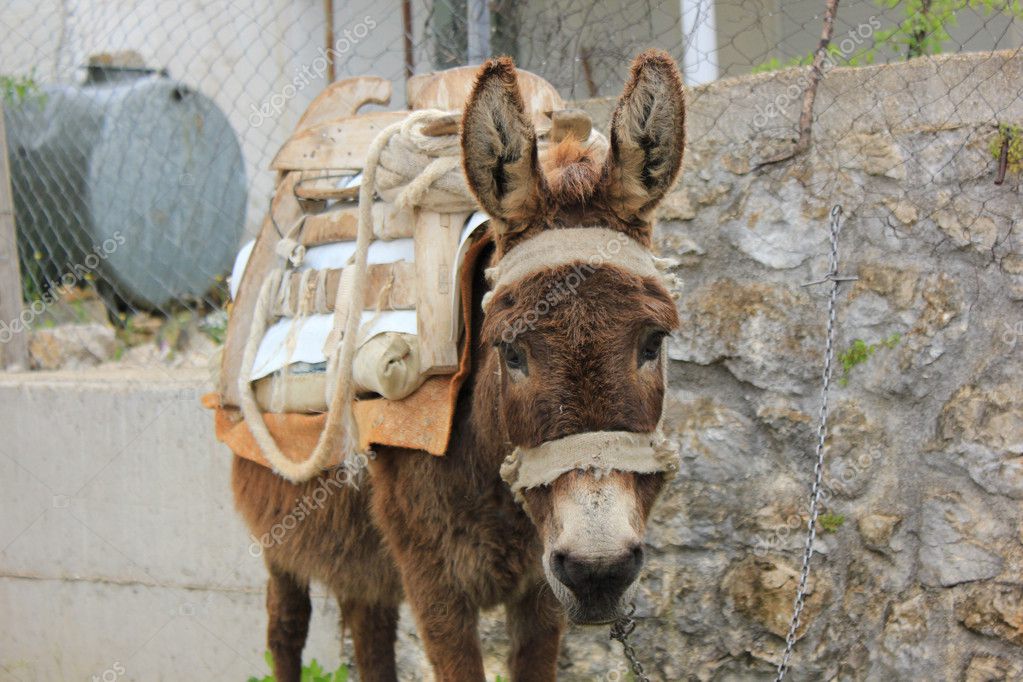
pixel 344 98
pixel 436 238
pixel 570 123
pixel 448 90
pixel 389 286
pixel 323 186
pixel 13 335
pixel 339 143
pixel 286 210
pixel 341 224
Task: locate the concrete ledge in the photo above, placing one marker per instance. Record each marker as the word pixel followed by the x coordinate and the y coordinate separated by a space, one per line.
pixel 119 544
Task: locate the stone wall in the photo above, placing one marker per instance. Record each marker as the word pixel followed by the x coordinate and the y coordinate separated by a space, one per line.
pixel 919 571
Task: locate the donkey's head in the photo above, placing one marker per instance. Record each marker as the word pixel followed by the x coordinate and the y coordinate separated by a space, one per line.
pixel 577 318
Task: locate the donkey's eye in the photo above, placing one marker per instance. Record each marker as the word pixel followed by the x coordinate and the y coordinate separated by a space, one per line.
pixel 651 348
pixel 514 358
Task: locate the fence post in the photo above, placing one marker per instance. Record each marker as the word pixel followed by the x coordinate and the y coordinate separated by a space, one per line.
pixel 13 341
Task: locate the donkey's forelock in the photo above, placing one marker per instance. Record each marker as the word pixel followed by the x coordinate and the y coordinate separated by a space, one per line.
pixel 572 170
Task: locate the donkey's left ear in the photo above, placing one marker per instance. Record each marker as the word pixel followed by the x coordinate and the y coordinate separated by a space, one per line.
pixel 648 131
pixel 499 150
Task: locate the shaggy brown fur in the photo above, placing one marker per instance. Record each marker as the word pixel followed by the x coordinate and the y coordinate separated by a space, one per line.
pixel 445 532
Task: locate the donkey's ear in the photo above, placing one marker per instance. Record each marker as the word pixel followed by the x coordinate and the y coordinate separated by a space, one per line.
pixel 647 137
pixel 499 147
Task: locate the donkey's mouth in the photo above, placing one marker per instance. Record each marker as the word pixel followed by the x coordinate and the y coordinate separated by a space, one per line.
pixel 590 609
pixel 601 612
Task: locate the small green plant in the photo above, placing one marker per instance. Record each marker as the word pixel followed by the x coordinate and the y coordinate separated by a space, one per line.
pixel 835 58
pixel 859 352
pixel 830 523
pixel 215 327
pixel 313 672
pixel 31 276
pixel 1013 135
pixel 18 89
pixel 924 27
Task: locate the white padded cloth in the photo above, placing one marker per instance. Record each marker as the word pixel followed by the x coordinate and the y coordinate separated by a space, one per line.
pixel 310 335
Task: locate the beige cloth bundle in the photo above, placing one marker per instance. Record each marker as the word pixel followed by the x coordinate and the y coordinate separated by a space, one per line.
pixel 387 365
pixel 421 170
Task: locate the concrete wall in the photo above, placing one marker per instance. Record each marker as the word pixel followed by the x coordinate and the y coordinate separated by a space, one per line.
pixel 121 556
pixel 118 545
pixel 120 549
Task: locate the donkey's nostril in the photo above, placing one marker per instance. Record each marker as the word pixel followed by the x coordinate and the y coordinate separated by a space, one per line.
pixel 558 567
pixel 595 578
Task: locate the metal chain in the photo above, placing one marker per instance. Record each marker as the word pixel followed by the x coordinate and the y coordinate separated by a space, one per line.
pixel 815 494
pixel 620 631
pixel 624 626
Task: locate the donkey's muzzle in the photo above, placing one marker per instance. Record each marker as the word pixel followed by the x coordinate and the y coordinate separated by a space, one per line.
pixel 598 584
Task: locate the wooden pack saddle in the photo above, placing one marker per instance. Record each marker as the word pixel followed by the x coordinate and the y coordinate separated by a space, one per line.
pixel 410 355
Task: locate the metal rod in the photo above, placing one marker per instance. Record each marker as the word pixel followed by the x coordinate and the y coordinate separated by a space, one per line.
pixel 13 331
pixel 1003 159
pixel 810 94
pixel 328 10
pixel 406 27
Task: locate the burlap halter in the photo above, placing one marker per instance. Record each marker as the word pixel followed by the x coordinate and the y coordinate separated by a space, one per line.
pixel 602 451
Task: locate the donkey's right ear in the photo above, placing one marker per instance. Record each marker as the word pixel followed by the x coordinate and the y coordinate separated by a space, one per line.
pixel 499 151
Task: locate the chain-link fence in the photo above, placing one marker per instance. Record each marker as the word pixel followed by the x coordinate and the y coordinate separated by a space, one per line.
pixel 139 133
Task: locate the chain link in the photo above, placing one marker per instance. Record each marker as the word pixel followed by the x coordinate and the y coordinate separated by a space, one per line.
pixel 620 631
pixel 624 626
pixel 822 429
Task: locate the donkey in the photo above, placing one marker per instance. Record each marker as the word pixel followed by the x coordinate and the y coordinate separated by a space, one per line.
pixel 449 533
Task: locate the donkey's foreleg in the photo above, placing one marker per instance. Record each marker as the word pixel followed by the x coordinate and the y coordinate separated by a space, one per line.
pixel 289 608
pixel 535 623
pixel 374 631
pixel 446 621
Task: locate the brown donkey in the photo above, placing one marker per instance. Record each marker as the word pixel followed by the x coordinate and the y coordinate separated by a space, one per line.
pixel 566 359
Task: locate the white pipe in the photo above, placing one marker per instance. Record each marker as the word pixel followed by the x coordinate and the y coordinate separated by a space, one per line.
pixel 699 35
pixel 478 28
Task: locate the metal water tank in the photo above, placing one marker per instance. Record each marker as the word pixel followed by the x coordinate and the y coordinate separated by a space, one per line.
pixel 132 176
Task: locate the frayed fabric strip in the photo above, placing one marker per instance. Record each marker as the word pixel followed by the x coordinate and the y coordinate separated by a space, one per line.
pixel 602 451
pixel 591 247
